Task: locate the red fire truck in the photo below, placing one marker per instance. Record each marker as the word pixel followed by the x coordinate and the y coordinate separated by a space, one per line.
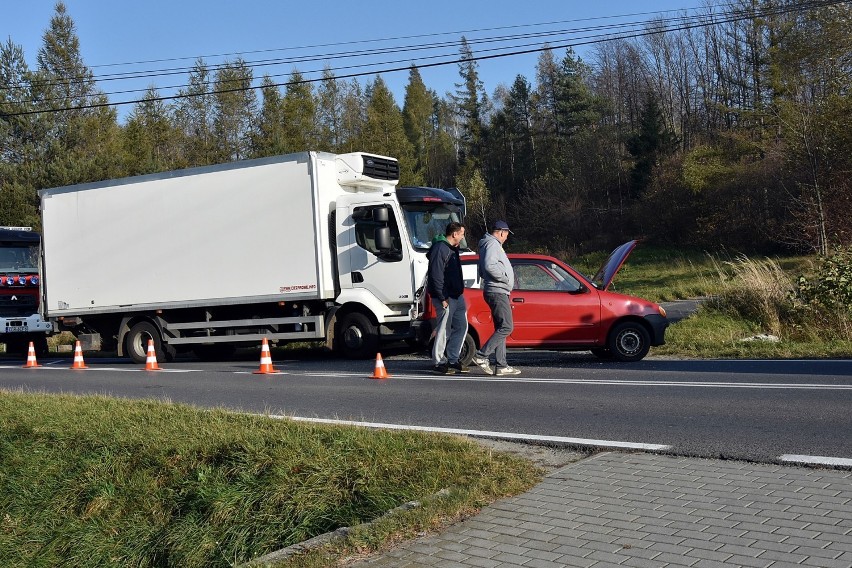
pixel 20 316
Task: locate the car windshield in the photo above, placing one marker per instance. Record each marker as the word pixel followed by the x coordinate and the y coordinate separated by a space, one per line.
pixel 425 221
pixel 17 258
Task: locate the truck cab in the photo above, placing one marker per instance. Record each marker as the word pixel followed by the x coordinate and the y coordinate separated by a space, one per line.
pixel 20 314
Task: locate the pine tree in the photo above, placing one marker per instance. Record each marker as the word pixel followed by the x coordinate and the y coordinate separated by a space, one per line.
pixel 470 100
pixel 82 142
pixel 234 106
pixel 330 104
pixel 300 115
pixel 149 139
pixel 652 142
pixel 418 120
pixel 384 133
pixel 194 117
pixel 269 137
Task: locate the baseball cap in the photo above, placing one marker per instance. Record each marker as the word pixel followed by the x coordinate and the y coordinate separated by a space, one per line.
pixel 502 226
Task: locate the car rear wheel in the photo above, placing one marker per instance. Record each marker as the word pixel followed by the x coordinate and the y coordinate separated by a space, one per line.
pixel 468 350
pixel 629 341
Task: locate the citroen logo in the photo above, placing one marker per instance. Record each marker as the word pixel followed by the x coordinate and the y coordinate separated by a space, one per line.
pixel 14 298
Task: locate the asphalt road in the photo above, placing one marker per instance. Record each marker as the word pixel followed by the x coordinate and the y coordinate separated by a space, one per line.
pixel 755 410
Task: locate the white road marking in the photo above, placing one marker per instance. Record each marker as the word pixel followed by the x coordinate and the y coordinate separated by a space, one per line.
pixel 99 368
pixel 816 460
pixel 484 434
pixel 483 378
pixel 605 382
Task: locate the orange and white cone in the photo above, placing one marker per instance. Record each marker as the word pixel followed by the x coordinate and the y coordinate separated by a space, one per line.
pixel 151 360
pixel 266 367
pixel 380 372
pixel 78 357
pixel 31 358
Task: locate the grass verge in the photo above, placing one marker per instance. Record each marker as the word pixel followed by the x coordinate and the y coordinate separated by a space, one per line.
pixel 97 481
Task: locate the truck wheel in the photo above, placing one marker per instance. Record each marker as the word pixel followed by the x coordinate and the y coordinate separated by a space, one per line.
pixel 629 341
pixel 136 343
pixel 40 344
pixel 359 338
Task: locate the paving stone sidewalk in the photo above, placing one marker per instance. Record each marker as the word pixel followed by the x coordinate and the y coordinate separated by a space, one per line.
pixel 647 510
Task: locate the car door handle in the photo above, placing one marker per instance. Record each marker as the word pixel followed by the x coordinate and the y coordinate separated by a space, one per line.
pixel 519 300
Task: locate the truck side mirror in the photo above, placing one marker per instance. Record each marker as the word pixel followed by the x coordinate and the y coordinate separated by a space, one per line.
pixel 380 215
pixel 382 237
pixel 384 244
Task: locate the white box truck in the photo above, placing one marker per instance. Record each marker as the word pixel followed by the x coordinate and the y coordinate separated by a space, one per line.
pixel 307 246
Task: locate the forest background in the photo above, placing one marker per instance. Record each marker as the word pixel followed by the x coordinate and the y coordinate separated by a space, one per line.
pixel 729 130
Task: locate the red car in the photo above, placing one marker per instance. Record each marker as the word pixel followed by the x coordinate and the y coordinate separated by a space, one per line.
pixel 555 307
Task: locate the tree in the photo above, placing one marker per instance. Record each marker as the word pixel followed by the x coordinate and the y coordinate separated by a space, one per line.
pixel 300 115
pixel 652 142
pixel 194 116
pixel 418 120
pixel 384 133
pixel 82 136
pixel 149 139
pixel 330 104
pixel 234 108
pixel 470 100
pixel 269 136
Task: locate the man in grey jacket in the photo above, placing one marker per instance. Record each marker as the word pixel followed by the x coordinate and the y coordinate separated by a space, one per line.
pixel 498 279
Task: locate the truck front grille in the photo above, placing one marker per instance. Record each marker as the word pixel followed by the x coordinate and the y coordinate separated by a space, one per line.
pixel 17 305
pixel 381 168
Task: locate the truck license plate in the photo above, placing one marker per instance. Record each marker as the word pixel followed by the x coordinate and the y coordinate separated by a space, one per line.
pixel 12 328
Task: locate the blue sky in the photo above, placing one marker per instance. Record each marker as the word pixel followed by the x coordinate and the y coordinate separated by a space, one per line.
pixel 170 35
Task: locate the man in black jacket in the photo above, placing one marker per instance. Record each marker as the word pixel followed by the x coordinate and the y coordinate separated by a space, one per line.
pixel 446 287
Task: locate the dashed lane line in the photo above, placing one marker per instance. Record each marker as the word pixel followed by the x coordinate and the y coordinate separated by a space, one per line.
pixel 816 460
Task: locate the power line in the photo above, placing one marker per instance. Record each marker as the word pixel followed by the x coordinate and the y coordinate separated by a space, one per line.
pixel 683 23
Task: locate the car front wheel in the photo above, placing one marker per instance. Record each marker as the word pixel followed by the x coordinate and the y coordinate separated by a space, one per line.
pixel 629 341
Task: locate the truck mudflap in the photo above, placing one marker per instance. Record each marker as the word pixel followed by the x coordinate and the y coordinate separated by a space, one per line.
pixel 28 324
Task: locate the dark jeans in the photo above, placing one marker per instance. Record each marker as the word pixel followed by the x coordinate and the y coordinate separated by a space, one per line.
pixel 501 313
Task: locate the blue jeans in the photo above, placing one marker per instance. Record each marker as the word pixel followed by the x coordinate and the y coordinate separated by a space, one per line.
pixel 450 330
pixel 501 313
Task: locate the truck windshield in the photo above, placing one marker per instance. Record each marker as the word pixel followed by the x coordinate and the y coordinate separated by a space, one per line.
pixel 18 258
pixel 425 221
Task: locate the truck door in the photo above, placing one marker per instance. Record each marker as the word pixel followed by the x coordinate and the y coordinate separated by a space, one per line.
pixel 384 272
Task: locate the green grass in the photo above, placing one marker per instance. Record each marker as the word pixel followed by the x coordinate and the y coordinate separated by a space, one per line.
pixel 96 481
pixel 751 299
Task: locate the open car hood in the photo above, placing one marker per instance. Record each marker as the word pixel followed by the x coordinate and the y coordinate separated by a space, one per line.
pixel 610 267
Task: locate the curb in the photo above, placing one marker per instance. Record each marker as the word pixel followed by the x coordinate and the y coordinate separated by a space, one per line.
pixel 319 541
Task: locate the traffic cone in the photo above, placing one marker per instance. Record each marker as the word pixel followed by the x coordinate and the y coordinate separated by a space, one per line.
pixel 78 358
pixel 151 361
pixel 31 358
pixel 266 367
pixel 380 372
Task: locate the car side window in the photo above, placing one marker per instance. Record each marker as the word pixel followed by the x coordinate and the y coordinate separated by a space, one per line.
pixel 533 277
pixel 544 278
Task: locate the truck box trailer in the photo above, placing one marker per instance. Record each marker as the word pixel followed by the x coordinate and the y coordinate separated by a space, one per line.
pixel 307 246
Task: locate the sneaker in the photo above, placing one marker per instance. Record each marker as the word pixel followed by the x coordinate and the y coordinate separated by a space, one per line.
pixel 504 371
pixel 457 367
pixel 483 364
pixel 443 369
